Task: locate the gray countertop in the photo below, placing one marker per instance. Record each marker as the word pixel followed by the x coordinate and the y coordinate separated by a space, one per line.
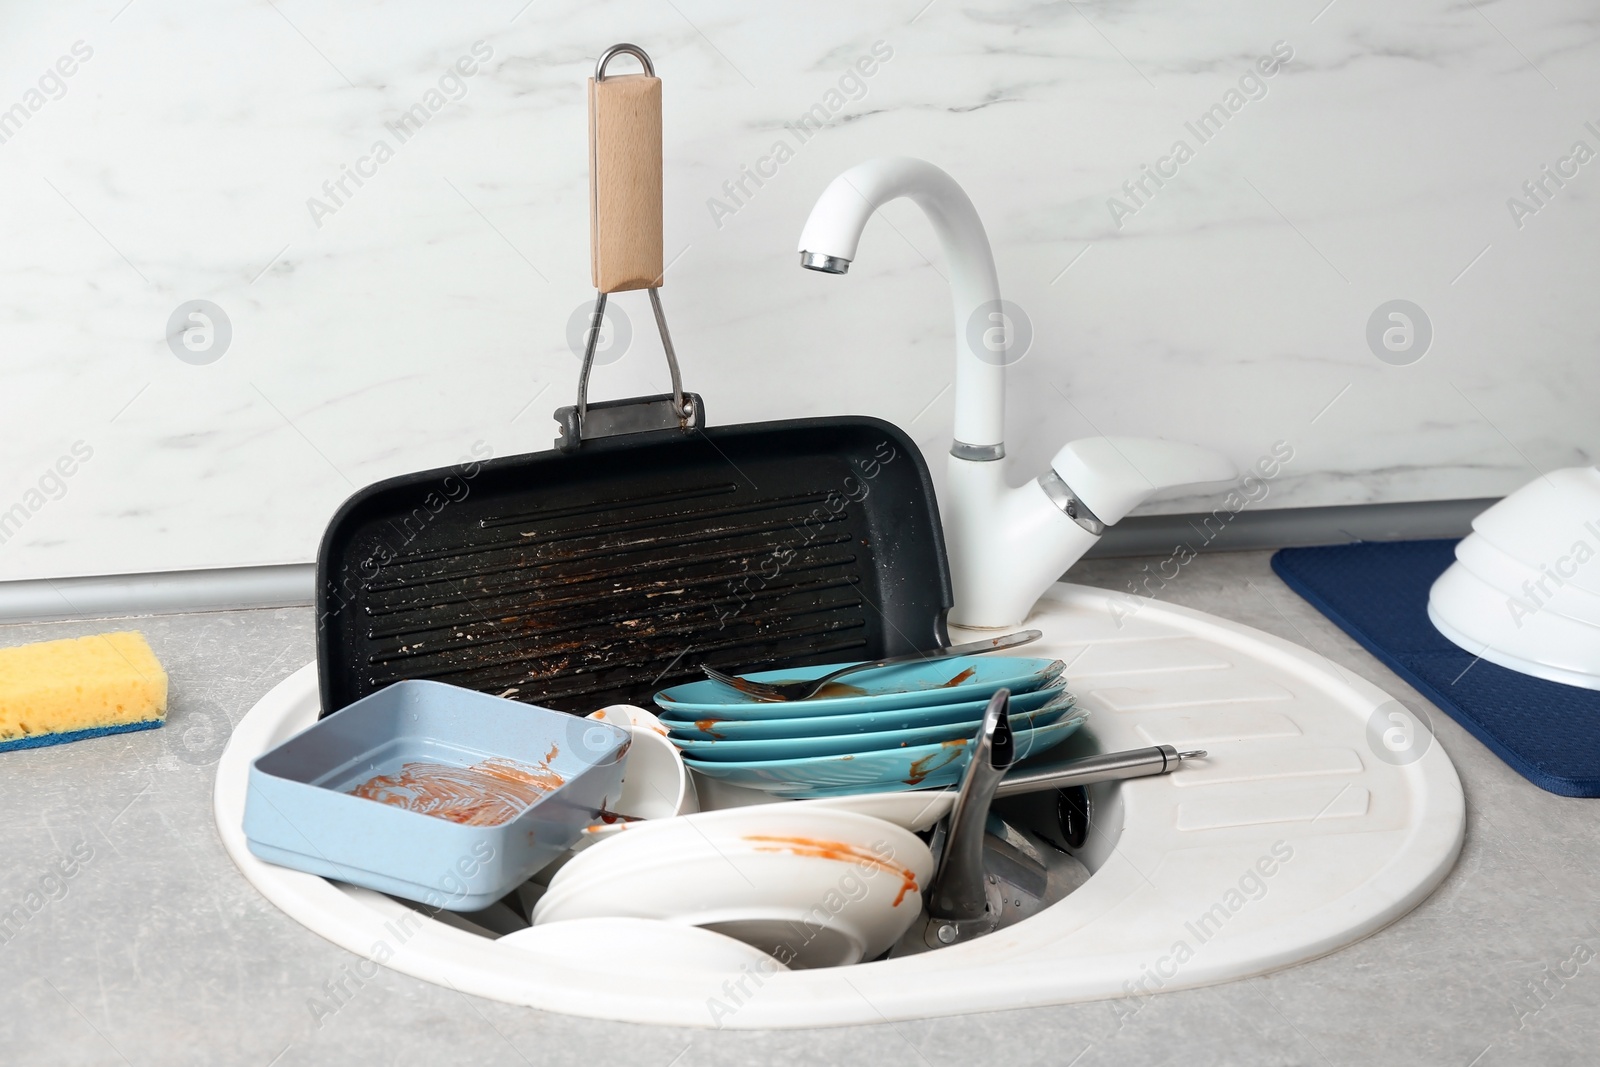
pixel 142 944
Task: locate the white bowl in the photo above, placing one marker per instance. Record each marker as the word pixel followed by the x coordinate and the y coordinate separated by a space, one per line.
pixel 1490 601
pixel 813 888
pixel 1537 590
pixel 655 782
pixel 1542 523
pixel 1484 621
pixel 629 715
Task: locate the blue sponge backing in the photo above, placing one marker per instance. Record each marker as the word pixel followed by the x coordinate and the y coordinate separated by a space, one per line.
pixel 41 740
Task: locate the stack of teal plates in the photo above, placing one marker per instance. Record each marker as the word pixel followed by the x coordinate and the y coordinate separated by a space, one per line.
pixel 896 728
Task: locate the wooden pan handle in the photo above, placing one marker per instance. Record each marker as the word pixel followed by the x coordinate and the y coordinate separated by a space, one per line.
pixel 625 182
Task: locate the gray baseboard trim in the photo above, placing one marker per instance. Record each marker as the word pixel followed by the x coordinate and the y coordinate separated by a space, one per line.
pixel 231 588
pixel 1152 535
pixel 168 592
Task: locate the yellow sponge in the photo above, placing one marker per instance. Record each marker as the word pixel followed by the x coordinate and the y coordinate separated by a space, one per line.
pixel 59 691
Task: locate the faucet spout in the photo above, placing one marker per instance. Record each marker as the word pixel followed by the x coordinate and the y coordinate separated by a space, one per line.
pixel 828 244
pixel 1006 544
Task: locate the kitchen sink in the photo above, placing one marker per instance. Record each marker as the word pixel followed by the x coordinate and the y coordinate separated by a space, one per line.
pixel 1325 811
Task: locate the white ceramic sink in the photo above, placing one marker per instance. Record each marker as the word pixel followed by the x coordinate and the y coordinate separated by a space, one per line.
pixel 1323 813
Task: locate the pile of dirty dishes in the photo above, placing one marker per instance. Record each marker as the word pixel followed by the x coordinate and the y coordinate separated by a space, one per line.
pixel 891 729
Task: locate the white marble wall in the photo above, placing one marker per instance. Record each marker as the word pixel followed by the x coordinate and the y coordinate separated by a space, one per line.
pixel 427 310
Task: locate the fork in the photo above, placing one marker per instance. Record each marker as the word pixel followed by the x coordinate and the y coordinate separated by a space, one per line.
pixel 777 692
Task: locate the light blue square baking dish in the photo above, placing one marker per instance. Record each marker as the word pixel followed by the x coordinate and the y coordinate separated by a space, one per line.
pixel 298 811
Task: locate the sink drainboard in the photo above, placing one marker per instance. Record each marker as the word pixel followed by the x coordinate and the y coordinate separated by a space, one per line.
pixel 1325 812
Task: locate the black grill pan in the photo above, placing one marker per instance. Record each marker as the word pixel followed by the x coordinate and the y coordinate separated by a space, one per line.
pixel 607 570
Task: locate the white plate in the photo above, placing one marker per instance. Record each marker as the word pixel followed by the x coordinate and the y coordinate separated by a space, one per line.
pixel 657 841
pixel 813 888
pixel 644 945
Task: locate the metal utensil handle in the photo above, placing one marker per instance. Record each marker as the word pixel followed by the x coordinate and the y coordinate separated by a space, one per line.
pixel 1105 767
pixel 589 343
pixel 623 49
pixel 970 648
pixel 684 409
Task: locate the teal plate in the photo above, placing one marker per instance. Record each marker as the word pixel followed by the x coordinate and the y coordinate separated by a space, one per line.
pixel 801 747
pixel 914 685
pixel 713 728
pixel 885 771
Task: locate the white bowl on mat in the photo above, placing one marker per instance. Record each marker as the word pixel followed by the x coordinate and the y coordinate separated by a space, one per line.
pixel 1524 592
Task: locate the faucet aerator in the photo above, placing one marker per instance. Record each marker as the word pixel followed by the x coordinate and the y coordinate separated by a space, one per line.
pixel 825 263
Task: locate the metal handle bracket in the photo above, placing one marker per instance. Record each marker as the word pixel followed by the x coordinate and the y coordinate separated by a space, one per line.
pixel 678 410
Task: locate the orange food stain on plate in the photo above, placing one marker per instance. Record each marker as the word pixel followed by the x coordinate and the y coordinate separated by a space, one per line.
pixel 841 851
pixel 958 679
pixel 923 766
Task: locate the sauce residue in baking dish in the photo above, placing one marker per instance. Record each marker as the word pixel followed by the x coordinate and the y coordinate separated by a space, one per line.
pixel 842 851
pixel 488 793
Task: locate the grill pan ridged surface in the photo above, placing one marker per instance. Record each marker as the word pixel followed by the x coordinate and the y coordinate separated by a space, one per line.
pixel 576 580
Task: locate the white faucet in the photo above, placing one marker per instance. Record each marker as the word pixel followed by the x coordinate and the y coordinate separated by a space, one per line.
pixel 1006 545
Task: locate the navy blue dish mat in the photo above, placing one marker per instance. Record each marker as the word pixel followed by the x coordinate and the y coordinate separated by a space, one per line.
pixel 1377 592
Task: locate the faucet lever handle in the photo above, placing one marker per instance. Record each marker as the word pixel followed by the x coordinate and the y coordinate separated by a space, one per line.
pixel 1114 475
pixel 957 890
